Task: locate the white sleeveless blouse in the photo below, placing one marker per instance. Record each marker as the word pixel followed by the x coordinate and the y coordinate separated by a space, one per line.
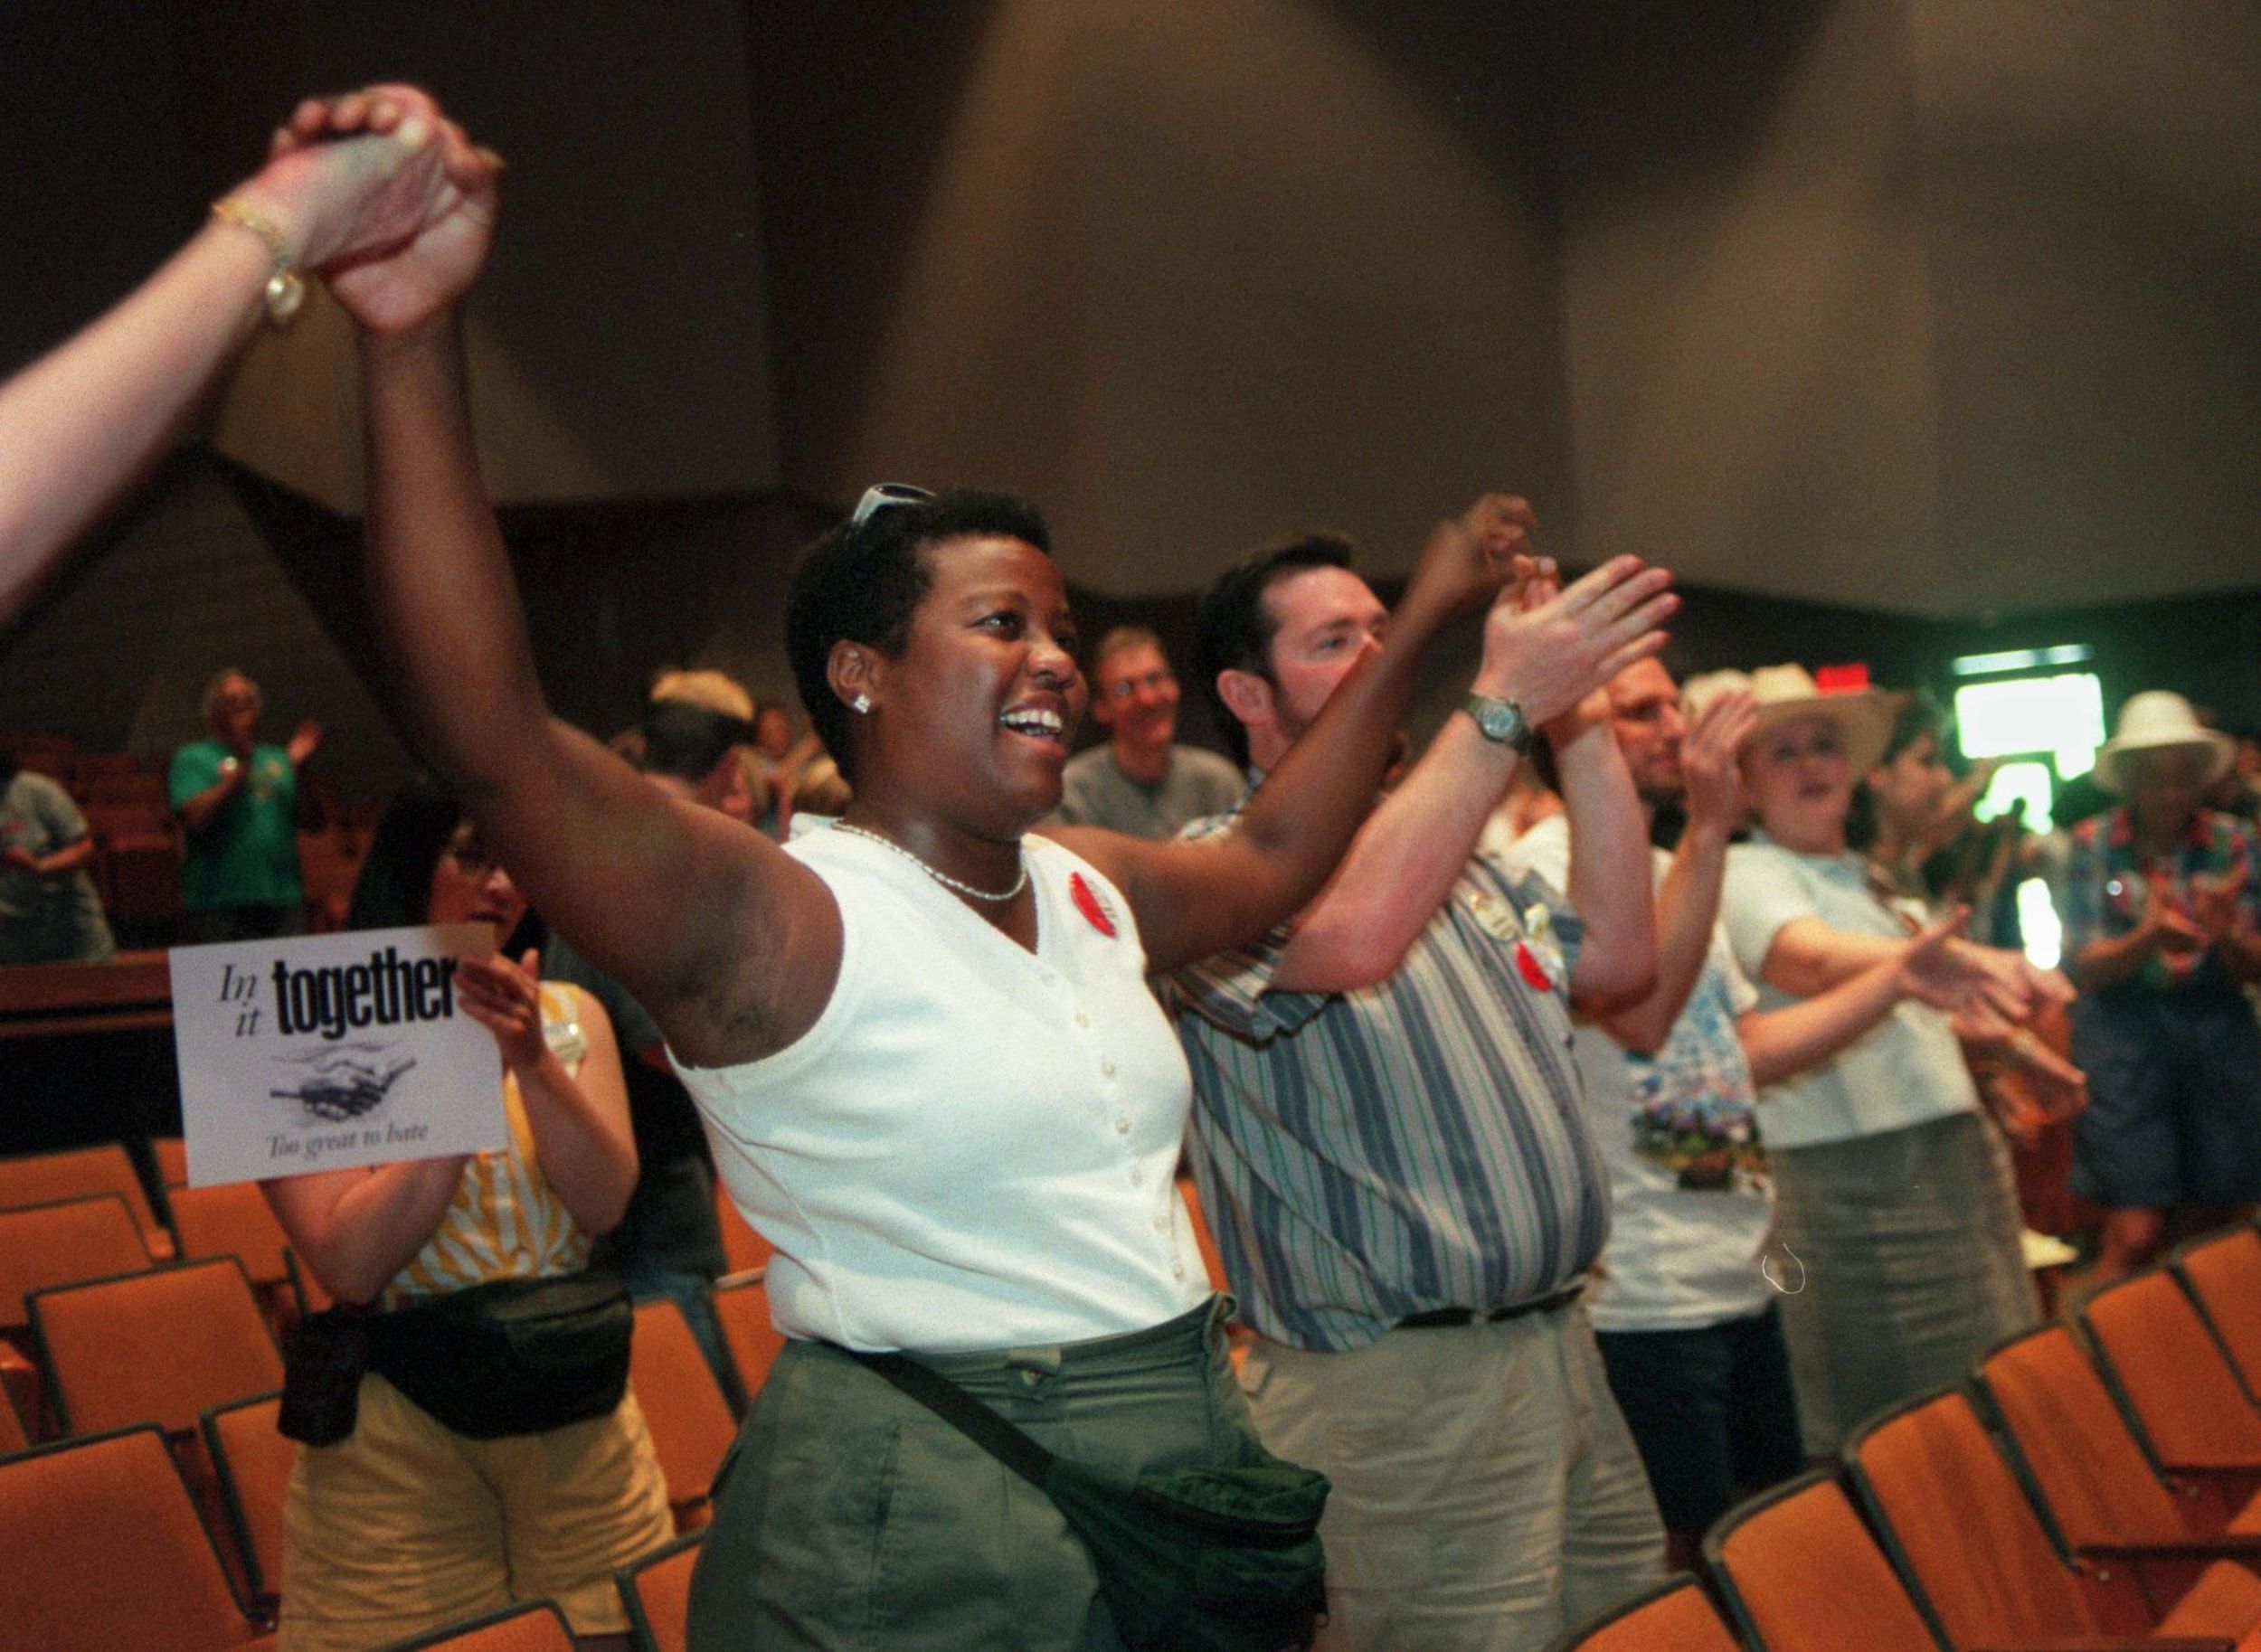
pixel 975 1145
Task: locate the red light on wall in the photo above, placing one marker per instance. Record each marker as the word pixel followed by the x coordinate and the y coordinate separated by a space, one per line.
pixel 1841 679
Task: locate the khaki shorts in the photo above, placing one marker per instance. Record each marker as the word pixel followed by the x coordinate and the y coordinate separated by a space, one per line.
pixel 403 1526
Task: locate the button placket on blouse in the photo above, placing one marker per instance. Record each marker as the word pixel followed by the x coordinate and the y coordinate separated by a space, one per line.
pixel 1111 1098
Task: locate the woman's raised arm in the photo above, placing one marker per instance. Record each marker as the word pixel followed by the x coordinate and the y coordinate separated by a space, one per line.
pixel 695 914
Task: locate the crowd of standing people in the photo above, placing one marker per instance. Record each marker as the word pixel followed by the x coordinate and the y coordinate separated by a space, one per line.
pixel 1568 1184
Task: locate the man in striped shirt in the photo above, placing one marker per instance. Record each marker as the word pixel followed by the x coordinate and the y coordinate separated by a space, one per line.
pixel 1388 1129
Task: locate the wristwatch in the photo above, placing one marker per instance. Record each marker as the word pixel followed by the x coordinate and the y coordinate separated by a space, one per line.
pixel 1500 721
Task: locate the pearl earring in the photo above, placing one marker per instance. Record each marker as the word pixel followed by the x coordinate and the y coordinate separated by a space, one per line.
pixel 862 704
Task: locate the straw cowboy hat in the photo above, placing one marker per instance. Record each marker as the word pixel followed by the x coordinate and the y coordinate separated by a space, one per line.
pixel 2156 721
pixel 1785 694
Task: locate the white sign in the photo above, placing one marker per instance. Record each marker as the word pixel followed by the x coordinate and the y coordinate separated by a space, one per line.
pixel 327 1051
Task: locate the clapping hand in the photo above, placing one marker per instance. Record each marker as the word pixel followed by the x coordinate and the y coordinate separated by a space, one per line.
pixel 1929 971
pixel 505 998
pixel 1708 768
pixel 1551 649
pixel 303 741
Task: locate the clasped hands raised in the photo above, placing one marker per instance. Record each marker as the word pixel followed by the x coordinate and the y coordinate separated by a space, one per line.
pixel 383 196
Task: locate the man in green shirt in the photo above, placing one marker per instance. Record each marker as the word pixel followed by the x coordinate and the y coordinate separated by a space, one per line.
pixel 237 803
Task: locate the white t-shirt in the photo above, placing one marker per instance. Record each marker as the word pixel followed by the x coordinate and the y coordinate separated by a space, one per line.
pixel 1691 1203
pixel 975 1145
pixel 1906 1069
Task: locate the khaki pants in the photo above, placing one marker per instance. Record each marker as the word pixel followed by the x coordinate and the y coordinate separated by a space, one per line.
pixel 1487 1495
pixel 403 1526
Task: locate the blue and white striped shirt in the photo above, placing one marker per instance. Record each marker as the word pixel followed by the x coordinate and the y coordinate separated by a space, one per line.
pixel 1414 1145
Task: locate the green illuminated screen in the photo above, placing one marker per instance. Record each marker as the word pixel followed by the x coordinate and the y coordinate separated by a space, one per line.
pixel 2062 715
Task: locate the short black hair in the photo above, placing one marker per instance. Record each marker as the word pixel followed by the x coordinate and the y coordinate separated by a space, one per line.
pixel 1233 630
pixel 861 584
pixel 687 740
pixel 394 890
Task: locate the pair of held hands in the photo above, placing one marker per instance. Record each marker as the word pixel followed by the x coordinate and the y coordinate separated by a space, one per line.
pixel 385 198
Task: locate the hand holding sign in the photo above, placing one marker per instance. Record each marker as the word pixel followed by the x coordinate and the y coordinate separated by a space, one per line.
pixel 505 998
pixel 324 1052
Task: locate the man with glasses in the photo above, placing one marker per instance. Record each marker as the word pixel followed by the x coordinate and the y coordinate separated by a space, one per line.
pixel 1140 781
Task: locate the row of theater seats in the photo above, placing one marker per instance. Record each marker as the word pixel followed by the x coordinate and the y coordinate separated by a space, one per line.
pixel 2084 1492
pixel 103 1550
pixel 137 851
pixel 141 1474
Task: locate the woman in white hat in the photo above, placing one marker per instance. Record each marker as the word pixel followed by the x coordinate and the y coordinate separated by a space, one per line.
pixel 1894 1191
pixel 2162 925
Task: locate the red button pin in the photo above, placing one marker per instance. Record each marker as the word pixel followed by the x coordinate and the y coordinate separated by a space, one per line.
pixel 1533 972
pixel 1089 902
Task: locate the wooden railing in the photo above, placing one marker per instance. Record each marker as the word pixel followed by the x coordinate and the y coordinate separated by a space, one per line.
pixel 123 994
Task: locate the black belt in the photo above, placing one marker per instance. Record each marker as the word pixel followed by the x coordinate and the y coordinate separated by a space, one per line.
pixel 1446 1318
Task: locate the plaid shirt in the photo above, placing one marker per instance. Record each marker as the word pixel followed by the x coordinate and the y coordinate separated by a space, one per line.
pixel 2108 886
pixel 1414 1145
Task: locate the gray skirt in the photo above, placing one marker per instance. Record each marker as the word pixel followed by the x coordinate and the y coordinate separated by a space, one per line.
pixel 1911 1266
pixel 849 1518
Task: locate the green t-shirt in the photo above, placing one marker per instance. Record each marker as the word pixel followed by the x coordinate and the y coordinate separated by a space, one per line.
pixel 248 854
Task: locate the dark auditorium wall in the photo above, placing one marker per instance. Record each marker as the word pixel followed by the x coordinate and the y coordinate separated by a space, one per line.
pixel 1190 273
pixel 1938 305
pixel 1874 316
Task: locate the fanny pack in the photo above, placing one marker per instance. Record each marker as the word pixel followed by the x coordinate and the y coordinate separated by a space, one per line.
pixel 1195 1558
pixel 512 1356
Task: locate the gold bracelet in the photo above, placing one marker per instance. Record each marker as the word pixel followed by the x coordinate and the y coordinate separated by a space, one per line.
pixel 285 290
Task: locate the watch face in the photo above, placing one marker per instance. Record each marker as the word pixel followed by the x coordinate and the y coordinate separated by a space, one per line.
pixel 1501 721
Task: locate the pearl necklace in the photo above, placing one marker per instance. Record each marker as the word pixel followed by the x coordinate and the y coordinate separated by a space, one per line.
pixel 943 878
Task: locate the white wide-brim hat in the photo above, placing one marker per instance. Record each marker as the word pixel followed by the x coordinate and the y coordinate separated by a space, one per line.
pixel 1783 693
pixel 2154 721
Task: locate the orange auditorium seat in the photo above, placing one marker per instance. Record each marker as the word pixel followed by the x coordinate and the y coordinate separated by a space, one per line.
pixel 1976 1556
pixel 161 1346
pixel 2186 1401
pixel 62 1243
pixel 2223 1276
pixel 170 1154
pixel 2099 1491
pixel 234 1220
pixel 253 1462
pixel 1800 1573
pixel 683 1404
pixel 658 1591
pixel 40 1178
pixel 742 1307
pixel 104 1552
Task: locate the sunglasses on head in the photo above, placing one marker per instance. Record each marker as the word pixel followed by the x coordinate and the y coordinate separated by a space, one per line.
pixel 883 497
